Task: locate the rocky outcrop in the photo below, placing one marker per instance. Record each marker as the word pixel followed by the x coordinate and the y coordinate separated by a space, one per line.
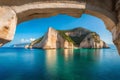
pixel 116 29
pixel 78 37
pixel 116 36
pixel 8 21
pixel 52 40
pixel 84 38
pixel 92 40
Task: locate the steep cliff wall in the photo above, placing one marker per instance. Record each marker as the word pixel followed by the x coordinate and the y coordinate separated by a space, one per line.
pixel 92 40
pixel 53 39
pixel 78 37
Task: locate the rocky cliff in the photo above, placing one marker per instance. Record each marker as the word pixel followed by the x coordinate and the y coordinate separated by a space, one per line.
pixel 52 39
pixel 78 37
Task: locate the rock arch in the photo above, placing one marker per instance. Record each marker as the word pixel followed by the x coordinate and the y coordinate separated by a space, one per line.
pixel 17 11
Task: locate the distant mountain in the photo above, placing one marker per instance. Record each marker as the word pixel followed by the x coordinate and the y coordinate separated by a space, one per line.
pixel 78 37
pixel 20 45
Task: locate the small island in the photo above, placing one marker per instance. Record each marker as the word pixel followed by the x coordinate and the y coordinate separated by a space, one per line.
pixel 68 39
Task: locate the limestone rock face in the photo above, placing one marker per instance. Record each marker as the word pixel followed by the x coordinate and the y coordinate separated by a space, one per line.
pixel 78 37
pixel 8 21
pixel 93 41
pixel 116 29
pixel 53 40
pixel 84 38
pixel 116 37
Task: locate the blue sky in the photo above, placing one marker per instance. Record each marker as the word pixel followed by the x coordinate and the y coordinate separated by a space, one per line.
pixel 35 28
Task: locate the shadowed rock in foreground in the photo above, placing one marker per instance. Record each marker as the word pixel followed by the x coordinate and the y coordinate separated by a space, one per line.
pixel 78 37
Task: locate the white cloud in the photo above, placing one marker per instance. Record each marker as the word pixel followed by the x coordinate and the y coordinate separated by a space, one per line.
pixel 23 40
pixel 32 39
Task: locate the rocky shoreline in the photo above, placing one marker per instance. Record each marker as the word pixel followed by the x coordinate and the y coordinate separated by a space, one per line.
pixel 68 39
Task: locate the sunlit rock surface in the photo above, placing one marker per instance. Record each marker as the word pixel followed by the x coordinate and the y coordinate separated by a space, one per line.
pixel 52 40
pixel 8 23
pixel 78 37
pixel 93 41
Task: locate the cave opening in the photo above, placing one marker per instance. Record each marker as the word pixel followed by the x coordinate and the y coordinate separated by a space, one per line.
pixel 30 30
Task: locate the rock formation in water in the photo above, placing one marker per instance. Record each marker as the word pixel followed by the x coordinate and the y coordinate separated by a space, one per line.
pixel 53 39
pixel 78 37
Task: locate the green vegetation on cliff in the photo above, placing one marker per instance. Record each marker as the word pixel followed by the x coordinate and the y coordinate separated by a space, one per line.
pixel 95 36
pixel 78 40
pixel 75 36
pixel 36 41
pixel 62 33
pixel 76 29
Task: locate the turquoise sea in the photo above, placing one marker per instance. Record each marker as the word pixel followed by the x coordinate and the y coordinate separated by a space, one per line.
pixel 60 64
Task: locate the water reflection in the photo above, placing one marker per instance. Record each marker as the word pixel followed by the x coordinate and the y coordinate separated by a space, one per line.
pixel 68 54
pixel 89 54
pixel 68 62
pixel 51 57
pixel 60 64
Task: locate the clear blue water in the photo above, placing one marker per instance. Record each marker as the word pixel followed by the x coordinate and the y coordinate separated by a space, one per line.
pixel 77 64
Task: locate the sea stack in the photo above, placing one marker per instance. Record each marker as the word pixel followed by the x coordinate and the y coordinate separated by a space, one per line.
pixel 52 40
pixel 78 37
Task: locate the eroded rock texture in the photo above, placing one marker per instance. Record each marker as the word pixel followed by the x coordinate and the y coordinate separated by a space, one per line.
pixel 52 40
pixel 8 23
pixel 93 41
pixel 78 37
pixel 116 29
